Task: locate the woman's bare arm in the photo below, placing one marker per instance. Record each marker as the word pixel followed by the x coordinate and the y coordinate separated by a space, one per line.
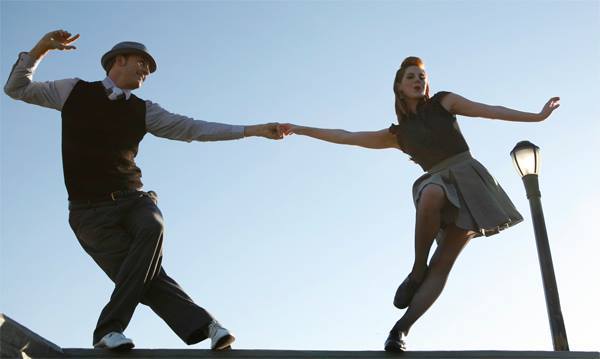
pixel 368 139
pixel 461 106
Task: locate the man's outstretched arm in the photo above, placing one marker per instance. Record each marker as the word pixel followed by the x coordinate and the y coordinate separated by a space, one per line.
pixel 163 123
pixel 20 85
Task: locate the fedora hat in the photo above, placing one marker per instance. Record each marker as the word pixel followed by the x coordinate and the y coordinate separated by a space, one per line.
pixel 127 47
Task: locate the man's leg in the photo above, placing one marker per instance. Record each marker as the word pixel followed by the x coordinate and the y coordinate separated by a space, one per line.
pixel 167 299
pixel 125 240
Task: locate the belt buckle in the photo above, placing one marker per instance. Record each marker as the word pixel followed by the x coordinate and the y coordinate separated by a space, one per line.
pixel 113 195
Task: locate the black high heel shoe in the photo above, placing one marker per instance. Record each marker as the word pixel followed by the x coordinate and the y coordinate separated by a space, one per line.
pixel 395 342
pixel 406 291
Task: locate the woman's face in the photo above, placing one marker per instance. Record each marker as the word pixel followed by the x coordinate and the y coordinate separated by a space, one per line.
pixel 414 82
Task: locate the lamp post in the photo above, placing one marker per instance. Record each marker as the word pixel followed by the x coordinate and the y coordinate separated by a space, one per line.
pixel 526 158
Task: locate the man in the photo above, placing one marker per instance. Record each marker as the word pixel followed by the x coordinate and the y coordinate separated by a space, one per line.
pixel 117 223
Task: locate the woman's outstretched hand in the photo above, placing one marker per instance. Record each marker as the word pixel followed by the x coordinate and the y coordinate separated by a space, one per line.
pixel 289 129
pixel 550 106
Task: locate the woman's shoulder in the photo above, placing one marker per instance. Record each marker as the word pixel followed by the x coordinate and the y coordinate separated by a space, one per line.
pixel 436 105
pixel 439 95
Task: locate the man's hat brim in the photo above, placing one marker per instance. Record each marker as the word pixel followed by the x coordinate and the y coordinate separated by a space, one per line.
pixel 126 51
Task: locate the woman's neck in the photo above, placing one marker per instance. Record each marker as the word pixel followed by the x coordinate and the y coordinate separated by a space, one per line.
pixel 412 103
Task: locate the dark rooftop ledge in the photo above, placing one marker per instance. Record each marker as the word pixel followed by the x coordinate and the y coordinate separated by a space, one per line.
pixel 322 354
pixel 16 341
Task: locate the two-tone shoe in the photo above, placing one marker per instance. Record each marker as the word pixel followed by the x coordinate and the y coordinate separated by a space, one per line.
pixel 220 337
pixel 114 341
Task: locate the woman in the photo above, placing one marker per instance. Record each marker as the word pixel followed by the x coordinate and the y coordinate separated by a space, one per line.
pixel 456 199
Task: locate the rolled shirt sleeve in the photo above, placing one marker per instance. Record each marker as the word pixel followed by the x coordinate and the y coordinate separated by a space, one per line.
pixel 163 123
pixel 20 85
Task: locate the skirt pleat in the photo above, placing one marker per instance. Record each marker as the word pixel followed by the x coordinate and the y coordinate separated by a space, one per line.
pixel 478 202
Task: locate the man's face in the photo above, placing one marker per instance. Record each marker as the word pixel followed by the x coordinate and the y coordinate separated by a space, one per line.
pixel 134 69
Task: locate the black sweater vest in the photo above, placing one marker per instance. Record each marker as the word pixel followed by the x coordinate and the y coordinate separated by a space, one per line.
pixel 100 140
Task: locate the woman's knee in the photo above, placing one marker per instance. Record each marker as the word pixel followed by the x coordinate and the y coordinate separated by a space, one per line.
pixel 432 198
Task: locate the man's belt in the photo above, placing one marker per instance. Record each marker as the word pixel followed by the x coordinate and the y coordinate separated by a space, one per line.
pixel 109 199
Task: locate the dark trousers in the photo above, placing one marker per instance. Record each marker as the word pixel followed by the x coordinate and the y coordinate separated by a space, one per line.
pixel 124 237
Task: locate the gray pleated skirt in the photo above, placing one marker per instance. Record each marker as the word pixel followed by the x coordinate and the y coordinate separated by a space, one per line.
pixel 478 203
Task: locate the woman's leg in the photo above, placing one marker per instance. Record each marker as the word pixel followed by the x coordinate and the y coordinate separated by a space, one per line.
pixel 441 263
pixel 427 225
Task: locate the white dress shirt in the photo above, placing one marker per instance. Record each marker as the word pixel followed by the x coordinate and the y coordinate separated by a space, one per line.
pixel 159 122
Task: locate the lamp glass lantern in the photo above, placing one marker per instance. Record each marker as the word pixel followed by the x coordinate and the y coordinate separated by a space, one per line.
pixel 526 158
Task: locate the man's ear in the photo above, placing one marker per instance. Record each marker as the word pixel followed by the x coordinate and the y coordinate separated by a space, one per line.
pixel 121 60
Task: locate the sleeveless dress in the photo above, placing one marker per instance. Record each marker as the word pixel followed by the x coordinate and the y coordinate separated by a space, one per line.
pixel 432 138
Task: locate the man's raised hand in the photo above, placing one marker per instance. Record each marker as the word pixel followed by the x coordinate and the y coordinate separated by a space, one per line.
pixel 54 40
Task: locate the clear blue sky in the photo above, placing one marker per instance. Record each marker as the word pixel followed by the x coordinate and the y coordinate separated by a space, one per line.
pixel 300 244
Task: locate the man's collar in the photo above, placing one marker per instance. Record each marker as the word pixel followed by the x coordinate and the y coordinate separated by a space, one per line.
pixel 109 84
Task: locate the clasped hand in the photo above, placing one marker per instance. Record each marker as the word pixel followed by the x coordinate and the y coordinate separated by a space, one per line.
pixel 274 131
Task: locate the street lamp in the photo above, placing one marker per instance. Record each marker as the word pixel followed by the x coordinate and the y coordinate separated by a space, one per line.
pixel 526 158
